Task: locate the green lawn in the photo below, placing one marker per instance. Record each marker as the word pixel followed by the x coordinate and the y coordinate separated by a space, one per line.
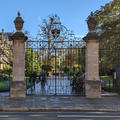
pixel 2 84
pixel 106 78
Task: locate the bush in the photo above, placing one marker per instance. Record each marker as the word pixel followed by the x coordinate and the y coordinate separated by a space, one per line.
pixel 5 77
pixel 47 67
pixel 7 69
pixel 65 69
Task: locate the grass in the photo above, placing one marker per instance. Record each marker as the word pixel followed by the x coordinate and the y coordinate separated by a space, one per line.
pixel 27 79
pixel 110 84
pixel 108 81
pixel 106 78
pixel 2 84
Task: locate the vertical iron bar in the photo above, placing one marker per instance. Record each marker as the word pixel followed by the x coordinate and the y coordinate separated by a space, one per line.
pixel 109 84
pixel 55 72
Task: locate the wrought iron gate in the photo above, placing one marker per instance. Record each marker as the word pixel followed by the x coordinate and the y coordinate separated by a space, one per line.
pixel 60 61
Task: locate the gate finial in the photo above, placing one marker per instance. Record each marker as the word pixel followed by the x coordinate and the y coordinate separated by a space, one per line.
pixel 18 14
pixel 91 21
pixel 18 23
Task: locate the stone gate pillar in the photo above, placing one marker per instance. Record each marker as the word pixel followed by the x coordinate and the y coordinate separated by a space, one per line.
pixel 18 86
pixel 93 87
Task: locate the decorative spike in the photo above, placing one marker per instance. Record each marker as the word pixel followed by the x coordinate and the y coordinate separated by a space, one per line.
pixel 3 31
pixel 91 14
pixel 18 14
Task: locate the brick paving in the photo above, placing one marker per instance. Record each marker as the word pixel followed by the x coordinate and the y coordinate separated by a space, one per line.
pixel 59 103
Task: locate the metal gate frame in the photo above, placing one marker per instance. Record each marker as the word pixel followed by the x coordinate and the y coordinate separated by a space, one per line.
pixel 38 49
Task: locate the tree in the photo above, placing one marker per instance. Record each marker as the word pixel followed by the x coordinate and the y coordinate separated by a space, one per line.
pixel 59 45
pixel 6 48
pixel 45 33
pixel 73 59
pixel 33 61
pixel 108 28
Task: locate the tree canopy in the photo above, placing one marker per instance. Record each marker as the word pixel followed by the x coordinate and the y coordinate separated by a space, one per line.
pixel 108 28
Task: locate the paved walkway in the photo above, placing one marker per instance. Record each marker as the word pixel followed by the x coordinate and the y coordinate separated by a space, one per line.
pixel 59 103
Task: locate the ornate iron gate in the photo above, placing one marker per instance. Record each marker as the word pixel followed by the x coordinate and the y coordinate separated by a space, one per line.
pixel 56 52
pixel 60 61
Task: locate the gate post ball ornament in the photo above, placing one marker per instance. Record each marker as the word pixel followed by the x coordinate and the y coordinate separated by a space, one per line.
pixel 91 22
pixel 18 23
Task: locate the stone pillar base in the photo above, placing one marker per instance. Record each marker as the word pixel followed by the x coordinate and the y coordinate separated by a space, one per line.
pixel 93 89
pixel 18 89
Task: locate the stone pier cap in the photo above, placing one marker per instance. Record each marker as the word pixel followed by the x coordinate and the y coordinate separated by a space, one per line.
pixel 19 36
pixel 91 36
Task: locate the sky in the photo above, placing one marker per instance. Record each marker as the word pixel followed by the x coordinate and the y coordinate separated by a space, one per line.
pixel 72 13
